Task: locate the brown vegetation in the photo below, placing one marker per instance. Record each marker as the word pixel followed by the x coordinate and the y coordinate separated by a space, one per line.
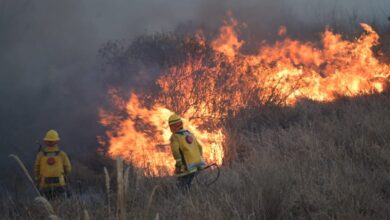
pixel 313 161
pixel 310 161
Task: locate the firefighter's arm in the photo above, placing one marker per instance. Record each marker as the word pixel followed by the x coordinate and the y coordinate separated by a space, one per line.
pixel 67 165
pixel 175 147
pixel 37 165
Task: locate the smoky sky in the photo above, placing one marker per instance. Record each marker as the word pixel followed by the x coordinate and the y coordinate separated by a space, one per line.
pixel 49 49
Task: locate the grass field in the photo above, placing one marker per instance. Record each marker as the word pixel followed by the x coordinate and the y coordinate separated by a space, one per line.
pixel 312 161
pixel 309 161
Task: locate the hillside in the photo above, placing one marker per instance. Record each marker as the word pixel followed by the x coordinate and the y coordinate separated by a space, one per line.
pixel 312 161
pixel 298 123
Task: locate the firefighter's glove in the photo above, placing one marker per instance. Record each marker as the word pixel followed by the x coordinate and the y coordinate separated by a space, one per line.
pixel 179 167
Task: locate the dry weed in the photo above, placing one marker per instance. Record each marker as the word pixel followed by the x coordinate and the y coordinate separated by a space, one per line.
pixel 21 164
pixel 107 183
pixel 121 205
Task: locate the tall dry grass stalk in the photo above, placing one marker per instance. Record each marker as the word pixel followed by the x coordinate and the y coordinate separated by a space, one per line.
pixel 121 205
pixel 150 201
pixel 126 182
pixel 21 164
pixel 137 179
pixel 53 217
pixel 47 206
pixel 85 215
pixel 107 178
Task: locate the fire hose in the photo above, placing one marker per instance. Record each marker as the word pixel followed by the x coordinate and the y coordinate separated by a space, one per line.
pixel 197 173
pixel 215 166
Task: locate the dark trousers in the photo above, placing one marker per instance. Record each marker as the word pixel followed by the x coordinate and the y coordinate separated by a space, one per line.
pixel 55 192
pixel 184 182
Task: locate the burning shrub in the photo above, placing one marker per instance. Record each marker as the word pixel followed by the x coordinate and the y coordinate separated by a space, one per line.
pixel 207 81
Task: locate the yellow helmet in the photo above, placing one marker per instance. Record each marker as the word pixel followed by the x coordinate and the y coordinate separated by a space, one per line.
pixel 52 135
pixel 174 119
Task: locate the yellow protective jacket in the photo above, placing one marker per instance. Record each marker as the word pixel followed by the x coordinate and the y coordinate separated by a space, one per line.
pixel 51 167
pixel 187 151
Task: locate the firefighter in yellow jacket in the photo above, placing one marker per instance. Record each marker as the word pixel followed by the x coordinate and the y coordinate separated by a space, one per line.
pixel 187 152
pixel 52 166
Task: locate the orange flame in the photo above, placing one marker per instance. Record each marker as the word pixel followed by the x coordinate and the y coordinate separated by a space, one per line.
pixel 143 137
pixel 208 88
pixel 228 42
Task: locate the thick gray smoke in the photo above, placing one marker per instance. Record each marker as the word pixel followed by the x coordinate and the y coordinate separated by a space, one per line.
pixel 49 76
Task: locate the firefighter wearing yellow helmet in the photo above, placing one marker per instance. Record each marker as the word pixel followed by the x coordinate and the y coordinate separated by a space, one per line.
pixel 187 152
pixel 52 165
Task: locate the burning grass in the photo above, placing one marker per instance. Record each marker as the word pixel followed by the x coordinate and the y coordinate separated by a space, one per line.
pixel 289 153
pixel 214 81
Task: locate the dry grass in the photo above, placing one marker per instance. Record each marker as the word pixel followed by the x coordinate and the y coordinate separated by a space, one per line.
pixel 150 201
pixel 107 184
pixel 47 206
pixel 86 215
pixel 314 161
pixel 126 182
pixel 21 164
pixel 121 205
